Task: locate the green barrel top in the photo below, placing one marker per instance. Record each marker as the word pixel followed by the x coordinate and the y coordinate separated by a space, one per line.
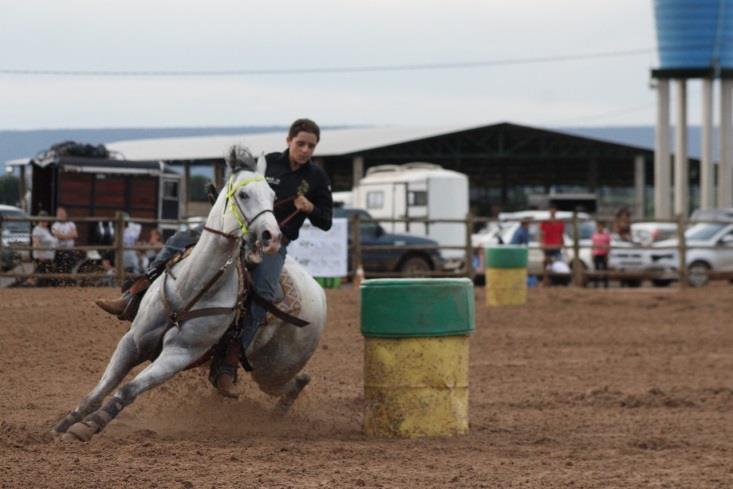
pixel 507 256
pixel 417 307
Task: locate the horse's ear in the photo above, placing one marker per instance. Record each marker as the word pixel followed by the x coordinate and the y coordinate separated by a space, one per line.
pixel 261 164
pixel 239 158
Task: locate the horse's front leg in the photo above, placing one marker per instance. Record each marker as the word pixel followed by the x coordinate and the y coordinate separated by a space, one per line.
pixel 125 357
pixel 172 360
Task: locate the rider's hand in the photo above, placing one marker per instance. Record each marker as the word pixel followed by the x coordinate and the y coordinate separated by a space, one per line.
pixel 303 204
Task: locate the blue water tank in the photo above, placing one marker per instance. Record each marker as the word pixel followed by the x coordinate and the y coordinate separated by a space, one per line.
pixel 694 34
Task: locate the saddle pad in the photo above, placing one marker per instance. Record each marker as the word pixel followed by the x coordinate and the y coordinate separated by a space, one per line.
pixel 291 302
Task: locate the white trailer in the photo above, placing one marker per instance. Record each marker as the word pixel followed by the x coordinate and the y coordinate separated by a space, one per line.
pixel 418 191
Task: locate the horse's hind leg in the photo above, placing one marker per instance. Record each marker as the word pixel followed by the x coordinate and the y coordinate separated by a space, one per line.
pixel 292 391
pixel 125 357
pixel 171 361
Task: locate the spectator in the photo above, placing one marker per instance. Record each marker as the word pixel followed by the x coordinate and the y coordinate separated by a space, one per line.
pixel 622 224
pixel 65 232
pixel 601 240
pixel 552 232
pixel 155 241
pixel 521 235
pixel 44 258
pixel 130 258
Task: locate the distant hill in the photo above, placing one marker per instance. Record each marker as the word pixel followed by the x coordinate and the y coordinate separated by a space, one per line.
pixel 643 136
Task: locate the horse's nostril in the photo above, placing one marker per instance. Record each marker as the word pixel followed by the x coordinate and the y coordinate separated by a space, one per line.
pixel 266 236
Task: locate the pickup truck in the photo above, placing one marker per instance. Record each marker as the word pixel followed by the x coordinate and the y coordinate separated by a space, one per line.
pixel 399 259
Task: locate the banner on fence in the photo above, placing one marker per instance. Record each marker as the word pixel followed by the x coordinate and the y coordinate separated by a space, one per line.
pixel 322 253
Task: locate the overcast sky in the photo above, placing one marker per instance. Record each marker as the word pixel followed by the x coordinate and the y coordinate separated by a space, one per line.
pixel 137 35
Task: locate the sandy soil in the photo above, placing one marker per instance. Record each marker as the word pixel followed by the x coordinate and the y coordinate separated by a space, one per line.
pixel 580 388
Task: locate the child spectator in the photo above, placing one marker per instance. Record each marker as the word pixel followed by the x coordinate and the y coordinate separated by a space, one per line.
pixel 601 240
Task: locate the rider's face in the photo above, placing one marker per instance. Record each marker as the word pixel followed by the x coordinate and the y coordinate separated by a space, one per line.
pixel 301 148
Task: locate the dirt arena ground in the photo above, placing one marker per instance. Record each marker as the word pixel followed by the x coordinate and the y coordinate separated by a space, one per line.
pixel 580 388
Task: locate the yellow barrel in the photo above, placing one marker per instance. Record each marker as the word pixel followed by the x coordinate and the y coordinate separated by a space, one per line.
pixel 506 275
pixel 416 356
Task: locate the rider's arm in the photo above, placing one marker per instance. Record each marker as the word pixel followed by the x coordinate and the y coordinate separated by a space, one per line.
pixel 322 212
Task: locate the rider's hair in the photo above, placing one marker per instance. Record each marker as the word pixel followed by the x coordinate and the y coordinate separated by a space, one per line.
pixel 304 125
pixel 240 157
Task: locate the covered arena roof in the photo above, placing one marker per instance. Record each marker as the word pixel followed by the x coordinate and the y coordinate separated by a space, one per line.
pixel 333 142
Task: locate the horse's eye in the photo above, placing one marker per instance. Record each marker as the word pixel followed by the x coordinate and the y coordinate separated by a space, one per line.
pixel 243 195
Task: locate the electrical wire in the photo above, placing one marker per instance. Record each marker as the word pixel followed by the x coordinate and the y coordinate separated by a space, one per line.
pixel 325 70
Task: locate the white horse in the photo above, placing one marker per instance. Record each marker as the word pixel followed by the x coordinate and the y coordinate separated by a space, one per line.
pixel 278 352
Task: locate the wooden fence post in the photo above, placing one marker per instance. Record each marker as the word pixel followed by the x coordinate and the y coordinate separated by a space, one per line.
pixel 1 232
pixel 469 246
pixel 119 247
pixel 577 266
pixel 682 250
pixel 356 243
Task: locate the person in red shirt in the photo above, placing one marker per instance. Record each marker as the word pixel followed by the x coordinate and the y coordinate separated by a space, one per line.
pixel 601 240
pixel 552 232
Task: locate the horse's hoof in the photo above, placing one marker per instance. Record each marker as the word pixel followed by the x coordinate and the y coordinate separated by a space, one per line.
pixel 68 437
pixel 80 432
pixel 301 381
pixel 65 423
pixel 286 402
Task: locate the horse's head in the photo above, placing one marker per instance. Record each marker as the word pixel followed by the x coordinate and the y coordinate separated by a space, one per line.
pixel 249 203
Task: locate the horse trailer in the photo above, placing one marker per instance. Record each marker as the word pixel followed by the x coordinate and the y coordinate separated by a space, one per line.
pixel 102 186
pixel 418 191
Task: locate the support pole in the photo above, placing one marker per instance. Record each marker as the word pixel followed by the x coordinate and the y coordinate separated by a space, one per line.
pixel 681 178
pixel 24 204
pixel 119 247
pixel 186 188
pixel 662 180
pixel 726 145
pixel 639 187
pixel 707 184
pixel 357 169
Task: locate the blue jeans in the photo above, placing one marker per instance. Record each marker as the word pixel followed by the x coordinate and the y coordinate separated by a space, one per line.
pixel 266 282
pixel 175 244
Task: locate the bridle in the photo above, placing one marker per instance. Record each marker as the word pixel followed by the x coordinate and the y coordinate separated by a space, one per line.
pixel 232 204
pixel 236 209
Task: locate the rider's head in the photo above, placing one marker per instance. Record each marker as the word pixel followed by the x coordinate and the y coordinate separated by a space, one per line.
pixel 303 137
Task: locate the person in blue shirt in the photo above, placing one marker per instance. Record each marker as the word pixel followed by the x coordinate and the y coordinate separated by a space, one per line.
pixel 521 235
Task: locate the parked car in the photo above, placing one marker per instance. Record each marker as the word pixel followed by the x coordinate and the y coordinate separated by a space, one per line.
pixel 721 214
pixel 623 258
pixel 709 248
pixel 647 233
pixel 395 260
pixel 14 233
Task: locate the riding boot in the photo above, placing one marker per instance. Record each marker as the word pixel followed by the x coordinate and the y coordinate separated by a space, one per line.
pixel 125 306
pixel 223 372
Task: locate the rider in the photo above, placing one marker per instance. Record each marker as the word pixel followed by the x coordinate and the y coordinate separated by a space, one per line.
pixel 302 189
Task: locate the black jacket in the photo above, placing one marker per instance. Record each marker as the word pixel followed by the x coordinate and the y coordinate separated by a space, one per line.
pixel 287 183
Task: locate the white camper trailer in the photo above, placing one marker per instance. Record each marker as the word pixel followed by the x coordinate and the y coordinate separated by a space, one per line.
pixel 418 191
